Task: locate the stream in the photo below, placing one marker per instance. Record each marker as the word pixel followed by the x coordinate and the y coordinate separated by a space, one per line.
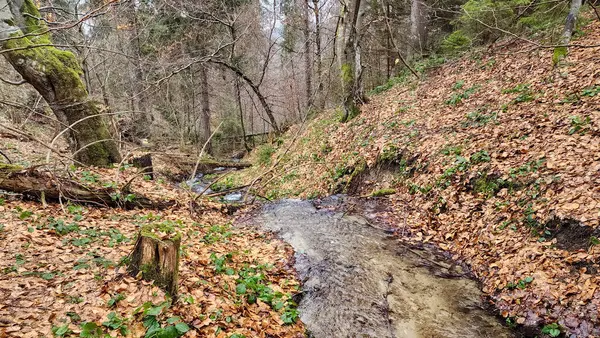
pixel 358 281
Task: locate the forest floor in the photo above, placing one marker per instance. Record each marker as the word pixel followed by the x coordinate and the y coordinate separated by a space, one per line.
pixel 493 157
pixel 63 266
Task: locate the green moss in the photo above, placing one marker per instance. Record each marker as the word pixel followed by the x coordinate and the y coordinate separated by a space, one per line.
pixel 61 66
pixel 347 76
pixel 33 25
pixel 383 192
pixel 559 54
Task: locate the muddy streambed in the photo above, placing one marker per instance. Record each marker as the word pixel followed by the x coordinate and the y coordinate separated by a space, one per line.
pixel 360 282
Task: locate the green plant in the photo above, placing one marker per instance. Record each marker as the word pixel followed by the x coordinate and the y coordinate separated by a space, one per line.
pixel 524 91
pixel 89 177
pixel 220 261
pixel 529 167
pixel 154 329
pixel 456 42
pixel 389 84
pixel 115 299
pixel 59 226
pixel 265 154
pixel 458 85
pixel 490 185
pixel 224 184
pixel 461 164
pixel 521 284
pixel 452 150
pixel 553 330
pixel 520 88
pixel 25 214
pixel 217 233
pixel 591 91
pixel 457 98
pixel 579 125
pixel 91 330
pixel 479 118
pixel 115 322
pixel 251 285
pixel 61 331
pixel 118 197
pixel 481 156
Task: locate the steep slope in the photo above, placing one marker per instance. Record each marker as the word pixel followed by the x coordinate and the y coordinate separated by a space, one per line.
pixel 494 157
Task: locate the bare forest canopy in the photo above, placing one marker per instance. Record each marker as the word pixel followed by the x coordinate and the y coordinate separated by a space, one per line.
pixel 115 72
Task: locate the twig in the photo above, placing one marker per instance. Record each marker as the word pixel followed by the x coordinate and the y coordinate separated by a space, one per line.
pixel 202 151
pixel 6 157
pixel 227 191
pixel 209 185
pixel 259 177
pixel 591 3
pixel 393 41
pixel 40 142
pixel 14 83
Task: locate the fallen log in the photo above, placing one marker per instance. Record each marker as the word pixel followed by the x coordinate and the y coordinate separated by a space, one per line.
pixel 179 167
pixel 188 161
pixel 49 186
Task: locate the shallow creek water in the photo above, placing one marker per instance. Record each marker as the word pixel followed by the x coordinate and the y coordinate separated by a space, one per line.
pixel 360 282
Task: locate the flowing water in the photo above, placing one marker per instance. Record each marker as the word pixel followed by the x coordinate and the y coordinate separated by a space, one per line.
pixel 360 282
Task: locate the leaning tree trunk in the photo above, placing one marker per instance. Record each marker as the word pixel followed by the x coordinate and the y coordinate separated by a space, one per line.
pixel 562 50
pixel 261 98
pixel 57 76
pixel 156 258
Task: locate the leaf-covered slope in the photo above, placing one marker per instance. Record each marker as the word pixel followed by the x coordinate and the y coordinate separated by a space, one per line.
pixel 495 157
pixel 63 270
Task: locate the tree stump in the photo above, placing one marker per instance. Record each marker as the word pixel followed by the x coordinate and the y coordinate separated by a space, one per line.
pixel 156 257
pixel 144 163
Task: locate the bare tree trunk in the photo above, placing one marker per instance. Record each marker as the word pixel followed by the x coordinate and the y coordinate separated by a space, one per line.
pixel 139 96
pixel 204 97
pixel 418 29
pixel 237 91
pixel 57 76
pixel 238 99
pixel 388 45
pixel 318 52
pixel 307 57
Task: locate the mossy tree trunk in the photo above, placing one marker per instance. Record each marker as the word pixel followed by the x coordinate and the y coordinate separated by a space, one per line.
pixel 57 76
pixel 350 64
pixel 570 23
pixel 156 260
